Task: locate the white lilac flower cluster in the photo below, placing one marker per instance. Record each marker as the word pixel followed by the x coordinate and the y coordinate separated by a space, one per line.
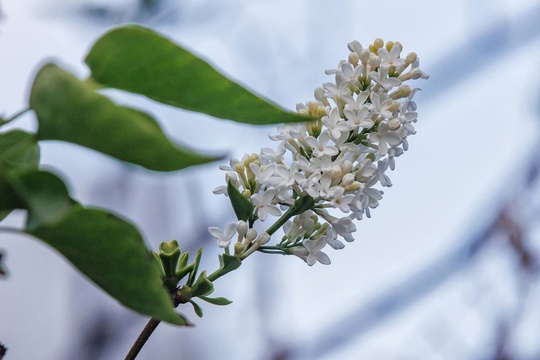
pixel 339 161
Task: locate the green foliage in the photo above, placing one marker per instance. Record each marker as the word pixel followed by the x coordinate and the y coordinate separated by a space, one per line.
pixel 202 286
pixel 111 252
pixel 42 193
pixel 197 308
pixel 227 263
pixel 107 249
pixel 18 150
pixel 138 60
pixel 3 271
pixel 242 207
pixel 169 253
pixel 216 301
pixel 69 110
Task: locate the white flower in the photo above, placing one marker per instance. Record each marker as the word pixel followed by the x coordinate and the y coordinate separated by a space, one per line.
pixel 339 160
pixel 273 156
pixel 382 166
pixel 349 74
pixel 264 176
pixel 391 58
pixel 381 104
pixel 319 146
pixel 319 186
pixel 314 251
pixel 384 137
pixel 360 118
pixel 223 237
pixel 344 227
pixel 340 200
pixel 392 154
pixel 331 239
pixel 383 80
pixel 263 204
pixel 336 124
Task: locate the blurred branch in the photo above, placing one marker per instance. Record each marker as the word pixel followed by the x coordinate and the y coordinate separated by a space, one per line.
pixel 3 351
pixel 504 37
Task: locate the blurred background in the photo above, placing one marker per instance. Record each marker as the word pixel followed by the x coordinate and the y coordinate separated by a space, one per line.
pixel 447 267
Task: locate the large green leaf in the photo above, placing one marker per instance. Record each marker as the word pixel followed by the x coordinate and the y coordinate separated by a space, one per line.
pixel 138 60
pixel 9 200
pixel 18 150
pixel 43 194
pixel 111 252
pixel 70 110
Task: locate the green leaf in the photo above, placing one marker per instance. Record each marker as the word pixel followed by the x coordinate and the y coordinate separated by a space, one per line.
pixel 228 263
pixel 5 213
pixel 241 206
pixel 69 110
pixel 111 252
pixel 3 272
pixel 42 193
pixel 202 286
pixel 183 260
pixel 138 60
pixel 302 204
pixel 9 200
pixel 18 150
pixel 197 308
pixel 183 268
pixel 45 194
pixel 221 301
pixel 169 253
pixel 193 273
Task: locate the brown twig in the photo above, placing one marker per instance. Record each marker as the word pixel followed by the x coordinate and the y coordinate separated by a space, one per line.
pixel 141 340
pixel 3 351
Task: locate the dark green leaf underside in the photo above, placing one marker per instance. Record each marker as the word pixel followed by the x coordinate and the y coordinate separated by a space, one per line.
pixel 69 110
pixel 111 252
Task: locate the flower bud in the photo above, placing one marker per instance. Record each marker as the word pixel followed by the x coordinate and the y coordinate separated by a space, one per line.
pixel 353 187
pixel 251 235
pixel 313 108
pixel 263 238
pixel 378 43
pixel 364 56
pixel 241 228
pixel 336 173
pixel 375 61
pixel 346 167
pixel 347 179
pixel 230 176
pixel 319 95
pixel 308 224
pixel 239 248
pixel 389 45
pixel 401 92
pixel 411 57
pixel 394 124
pixel 354 58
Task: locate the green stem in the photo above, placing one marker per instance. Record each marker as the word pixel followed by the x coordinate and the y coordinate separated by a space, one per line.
pixel 16 115
pixel 281 221
pixel 215 275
